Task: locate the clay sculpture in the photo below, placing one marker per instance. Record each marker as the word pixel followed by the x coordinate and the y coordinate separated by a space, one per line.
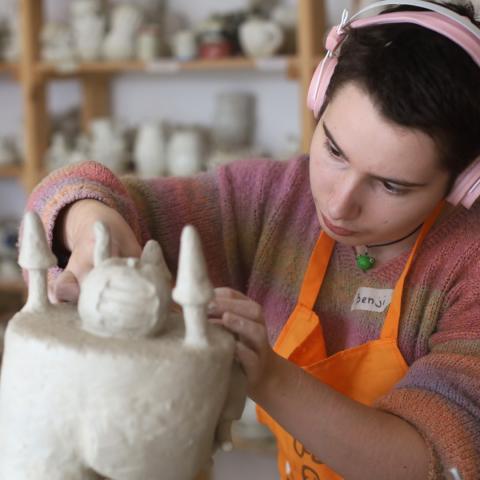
pixel 120 388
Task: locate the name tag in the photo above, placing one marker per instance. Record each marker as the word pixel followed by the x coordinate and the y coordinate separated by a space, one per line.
pixel 372 299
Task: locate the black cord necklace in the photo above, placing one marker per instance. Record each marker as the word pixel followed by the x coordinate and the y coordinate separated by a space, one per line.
pixel 366 262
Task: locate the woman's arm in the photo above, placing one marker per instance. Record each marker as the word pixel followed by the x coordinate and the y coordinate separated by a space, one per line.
pixel 357 441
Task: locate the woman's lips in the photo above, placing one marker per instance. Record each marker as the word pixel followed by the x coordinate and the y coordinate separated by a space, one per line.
pixel 336 230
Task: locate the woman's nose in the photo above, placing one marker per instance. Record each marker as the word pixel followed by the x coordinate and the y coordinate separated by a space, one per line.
pixel 344 201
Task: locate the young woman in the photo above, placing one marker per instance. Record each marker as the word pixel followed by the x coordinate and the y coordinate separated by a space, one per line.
pixel 352 286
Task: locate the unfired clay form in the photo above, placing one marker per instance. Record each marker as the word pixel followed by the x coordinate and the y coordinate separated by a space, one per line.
pixel 116 390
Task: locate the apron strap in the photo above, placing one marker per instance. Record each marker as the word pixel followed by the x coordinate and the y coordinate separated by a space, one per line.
pixel 316 270
pixel 392 320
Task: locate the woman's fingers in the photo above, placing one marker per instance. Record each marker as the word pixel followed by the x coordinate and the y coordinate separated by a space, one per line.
pixel 227 292
pixel 66 287
pixel 249 332
pixel 240 306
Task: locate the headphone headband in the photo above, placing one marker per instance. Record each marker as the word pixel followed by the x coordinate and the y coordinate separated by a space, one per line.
pixel 433 7
pixel 437 18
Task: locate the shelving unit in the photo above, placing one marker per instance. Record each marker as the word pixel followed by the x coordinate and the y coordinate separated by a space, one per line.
pixel 96 77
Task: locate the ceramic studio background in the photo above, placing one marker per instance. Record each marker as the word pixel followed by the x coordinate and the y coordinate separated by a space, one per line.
pixel 185 98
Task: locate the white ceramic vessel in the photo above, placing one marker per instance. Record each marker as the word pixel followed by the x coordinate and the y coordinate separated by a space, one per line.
pixel 120 42
pixel 185 153
pixel 184 45
pixel 149 152
pixel 234 120
pixel 108 146
pixel 260 37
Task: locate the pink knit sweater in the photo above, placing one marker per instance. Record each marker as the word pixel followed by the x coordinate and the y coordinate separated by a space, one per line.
pixel 258 226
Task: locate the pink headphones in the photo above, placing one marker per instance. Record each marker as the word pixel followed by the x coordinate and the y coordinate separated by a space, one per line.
pixel 439 19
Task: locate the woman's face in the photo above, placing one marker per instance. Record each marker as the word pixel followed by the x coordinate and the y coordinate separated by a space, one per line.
pixel 372 181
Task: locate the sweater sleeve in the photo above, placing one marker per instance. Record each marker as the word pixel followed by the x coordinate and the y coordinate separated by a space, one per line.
pixel 226 206
pixel 440 395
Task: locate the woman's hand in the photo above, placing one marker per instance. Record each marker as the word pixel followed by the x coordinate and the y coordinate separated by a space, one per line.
pixel 75 233
pixel 243 317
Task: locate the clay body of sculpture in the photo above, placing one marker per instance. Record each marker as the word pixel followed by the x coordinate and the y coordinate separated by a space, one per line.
pixel 111 390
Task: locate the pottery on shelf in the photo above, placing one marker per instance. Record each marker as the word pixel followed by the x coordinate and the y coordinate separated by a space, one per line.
pixel 184 45
pixel 120 42
pixel 185 152
pixel 234 120
pixel 88 24
pixel 124 387
pixel 85 8
pixel 149 153
pixel 12 46
pixel 260 37
pixel 148 44
pixel 57 153
pixel 57 43
pixel 108 145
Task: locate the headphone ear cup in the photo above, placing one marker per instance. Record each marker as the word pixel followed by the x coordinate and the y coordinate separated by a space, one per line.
pixel 319 84
pixel 466 188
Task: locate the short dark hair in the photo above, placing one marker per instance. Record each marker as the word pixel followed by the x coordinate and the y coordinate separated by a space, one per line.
pixel 418 79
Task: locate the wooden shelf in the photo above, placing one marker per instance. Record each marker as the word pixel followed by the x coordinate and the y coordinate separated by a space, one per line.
pixel 95 78
pixel 281 64
pixel 11 171
pixel 9 68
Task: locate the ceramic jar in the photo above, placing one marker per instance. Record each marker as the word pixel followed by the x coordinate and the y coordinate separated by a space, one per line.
pixel 57 43
pixel 234 120
pixel 148 44
pixel 85 8
pixel 184 45
pixel 88 28
pixel 57 153
pixel 185 153
pixel 149 150
pixel 120 42
pixel 213 42
pixel 108 145
pixel 260 37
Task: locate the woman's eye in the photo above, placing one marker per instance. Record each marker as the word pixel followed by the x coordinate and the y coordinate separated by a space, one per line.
pixel 393 189
pixel 332 151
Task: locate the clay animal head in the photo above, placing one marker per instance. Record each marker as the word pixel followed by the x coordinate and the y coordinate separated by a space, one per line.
pixel 125 297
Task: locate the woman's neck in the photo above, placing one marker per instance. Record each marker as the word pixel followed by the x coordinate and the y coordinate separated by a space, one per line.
pixel 384 253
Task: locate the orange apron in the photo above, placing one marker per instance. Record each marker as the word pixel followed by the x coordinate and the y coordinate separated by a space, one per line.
pixel 363 373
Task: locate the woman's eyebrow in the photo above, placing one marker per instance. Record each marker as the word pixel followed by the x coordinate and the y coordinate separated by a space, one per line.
pixel 332 140
pixel 397 181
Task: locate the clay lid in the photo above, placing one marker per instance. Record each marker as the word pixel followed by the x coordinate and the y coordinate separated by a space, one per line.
pixel 35 254
pixel 193 285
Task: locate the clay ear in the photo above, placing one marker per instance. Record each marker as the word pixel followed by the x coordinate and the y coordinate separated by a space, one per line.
pixel 152 255
pixel 102 243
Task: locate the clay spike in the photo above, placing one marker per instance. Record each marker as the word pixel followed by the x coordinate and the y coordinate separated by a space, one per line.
pixel 152 254
pixel 102 243
pixel 193 286
pixel 35 253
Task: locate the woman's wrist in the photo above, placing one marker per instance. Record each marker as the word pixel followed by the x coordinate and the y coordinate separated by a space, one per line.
pixel 273 380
